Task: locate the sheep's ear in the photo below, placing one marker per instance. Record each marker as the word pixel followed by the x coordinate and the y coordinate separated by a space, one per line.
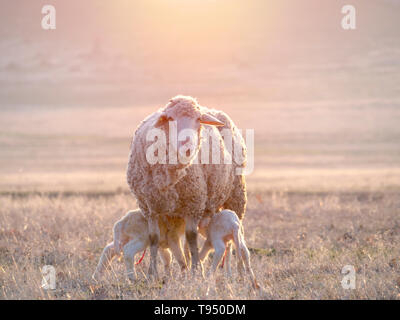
pixel 161 120
pixel 210 120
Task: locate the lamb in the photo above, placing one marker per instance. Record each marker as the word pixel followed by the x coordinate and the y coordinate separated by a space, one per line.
pixel 185 189
pixel 131 235
pixel 221 229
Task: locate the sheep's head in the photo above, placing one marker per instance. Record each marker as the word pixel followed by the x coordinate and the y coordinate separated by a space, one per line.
pixel 188 116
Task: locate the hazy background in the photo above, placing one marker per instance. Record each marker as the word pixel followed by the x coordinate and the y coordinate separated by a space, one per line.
pixel 324 102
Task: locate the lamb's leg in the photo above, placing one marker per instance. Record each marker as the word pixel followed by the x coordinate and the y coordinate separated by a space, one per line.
pixel 238 238
pixel 245 255
pixel 228 259
pixel 154 237
pixel 191 238
pixel 219 247
pixel 130 250
pixel 240 267
pixel 175 244
pixel 207 246
pixel 105 260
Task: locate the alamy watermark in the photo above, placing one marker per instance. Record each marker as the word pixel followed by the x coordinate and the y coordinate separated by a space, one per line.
pixel 212 147
pixel 49 18
pixel 48 277
pixel 349 20
pixel 349 278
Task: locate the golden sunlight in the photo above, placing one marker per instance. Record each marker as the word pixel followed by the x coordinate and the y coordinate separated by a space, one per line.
pixel 193 28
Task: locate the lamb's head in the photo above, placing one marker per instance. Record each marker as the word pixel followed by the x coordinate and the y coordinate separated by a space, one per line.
pixel 187 114
pixel 203 226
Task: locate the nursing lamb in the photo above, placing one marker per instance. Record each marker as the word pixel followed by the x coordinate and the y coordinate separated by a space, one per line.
pixel 131 235
pixel 220 230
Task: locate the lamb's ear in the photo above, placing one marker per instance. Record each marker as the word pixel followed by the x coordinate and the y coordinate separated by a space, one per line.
pixel 161 120
pixel 210 120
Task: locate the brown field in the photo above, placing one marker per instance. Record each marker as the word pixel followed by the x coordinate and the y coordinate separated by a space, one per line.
pixel 299 243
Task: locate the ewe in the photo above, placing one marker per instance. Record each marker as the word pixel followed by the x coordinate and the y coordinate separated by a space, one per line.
pixel 187 189
pixel 220 229
pixel 131 235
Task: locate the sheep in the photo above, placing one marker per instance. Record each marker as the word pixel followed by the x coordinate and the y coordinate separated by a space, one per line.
pixel 186 189
pixel 131 235
pixel 221 229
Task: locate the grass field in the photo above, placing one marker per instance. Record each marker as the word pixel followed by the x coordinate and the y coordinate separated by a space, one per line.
pixel 299 243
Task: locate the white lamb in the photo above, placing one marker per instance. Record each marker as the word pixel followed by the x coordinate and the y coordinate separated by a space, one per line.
pixel 220 230
pixel 131 235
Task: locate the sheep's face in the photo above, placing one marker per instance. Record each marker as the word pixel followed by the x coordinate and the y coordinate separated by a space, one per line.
pixel 185 117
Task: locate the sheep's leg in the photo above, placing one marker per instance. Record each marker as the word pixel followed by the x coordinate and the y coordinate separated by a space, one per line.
pixel 219 247
pixel 191 238
pixel 175 245
pixel 130 250
pixel 187 254
pixel 107 256
pixel 166 257
pixel 154 237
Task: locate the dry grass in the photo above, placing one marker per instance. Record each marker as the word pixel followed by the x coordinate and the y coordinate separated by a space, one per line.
pixel 300 242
